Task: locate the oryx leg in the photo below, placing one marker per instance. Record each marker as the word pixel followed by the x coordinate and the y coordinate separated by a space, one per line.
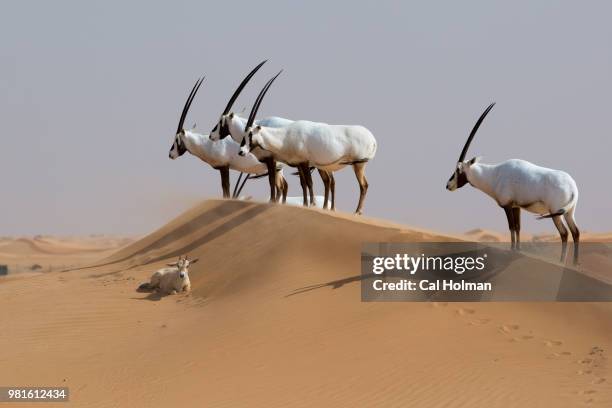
pixel 271 165
pixel 510 217
pixel 301 171
pixel 516 214
pixel 563 233
pixel 308 175
pixel 325 177
pixel 571 223
pixel 332 186
pixel 363 184
pixel 281 187
pixel 278 183
pixel 225 181
pixel 285 190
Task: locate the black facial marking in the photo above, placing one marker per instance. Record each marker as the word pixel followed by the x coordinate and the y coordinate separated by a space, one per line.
pixel 252 143
pixel 224 131
pixel 180 146
pixel 461 179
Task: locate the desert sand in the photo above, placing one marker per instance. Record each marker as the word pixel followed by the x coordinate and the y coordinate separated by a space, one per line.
pixel 275 320
pixel 484 235
pixel 50 253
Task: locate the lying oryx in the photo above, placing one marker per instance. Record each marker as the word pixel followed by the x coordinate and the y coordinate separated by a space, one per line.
pixel 221 156
pixel 516 184
pixel 304 144
pixel 171 280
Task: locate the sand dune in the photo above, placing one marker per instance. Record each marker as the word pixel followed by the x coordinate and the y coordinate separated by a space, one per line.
pixel 50 252
pixel 484 235
pixel 275 320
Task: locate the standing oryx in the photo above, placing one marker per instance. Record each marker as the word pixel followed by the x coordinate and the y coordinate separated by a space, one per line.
pixel 222 156
pixel 306 144
pixel 516 184
pixel 230 122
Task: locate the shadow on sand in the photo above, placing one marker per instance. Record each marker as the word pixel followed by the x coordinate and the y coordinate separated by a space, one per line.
pixel 529 275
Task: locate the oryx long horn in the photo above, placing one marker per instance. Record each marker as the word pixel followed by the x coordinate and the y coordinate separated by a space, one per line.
pixel 473 132
pixel 241 87
pixel 260 97
pixel 242 185
pixel 192 94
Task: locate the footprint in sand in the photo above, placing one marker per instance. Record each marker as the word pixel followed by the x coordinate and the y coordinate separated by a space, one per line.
pixel 565 354
pixel 509 328
pixel 465 311
pixel 593 360
pixel 595 357
pixel 588 392
pixel 526 337
pixel 551 343
pixel 479 322
pixel 521 338
pixel 440 304
pixel 596 351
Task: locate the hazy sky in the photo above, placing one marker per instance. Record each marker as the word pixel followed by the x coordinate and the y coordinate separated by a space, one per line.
pixel 91 94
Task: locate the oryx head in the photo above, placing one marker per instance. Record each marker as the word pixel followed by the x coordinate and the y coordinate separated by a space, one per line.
pixel 178 147
pixel 459 177
pixel 183 264
pixel 252 133
pixel 221 129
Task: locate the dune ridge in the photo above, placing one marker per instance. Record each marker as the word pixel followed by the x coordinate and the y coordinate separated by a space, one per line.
pixel 275 320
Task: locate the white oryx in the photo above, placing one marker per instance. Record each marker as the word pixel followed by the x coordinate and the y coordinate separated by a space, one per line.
pixel 304 144
pixel 229 123
pixel 234 125
pixel 172 279
pixel 221 156
pixel 516 184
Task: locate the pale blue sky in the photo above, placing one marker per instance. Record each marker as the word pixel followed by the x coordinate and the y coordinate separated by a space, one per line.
pixel 91 94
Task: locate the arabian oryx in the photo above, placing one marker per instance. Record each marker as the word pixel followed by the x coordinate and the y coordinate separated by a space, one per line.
pixel 172 279
pixel 304 144
pixel 231 124
pixel 516 184
pixel 222 156
pixel 227 126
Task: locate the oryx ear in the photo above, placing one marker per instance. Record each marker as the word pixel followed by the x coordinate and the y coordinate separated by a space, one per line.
pixel 192 261
pixel 231 115
pixel 475 160
pixel 172 264
pixel 257 128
